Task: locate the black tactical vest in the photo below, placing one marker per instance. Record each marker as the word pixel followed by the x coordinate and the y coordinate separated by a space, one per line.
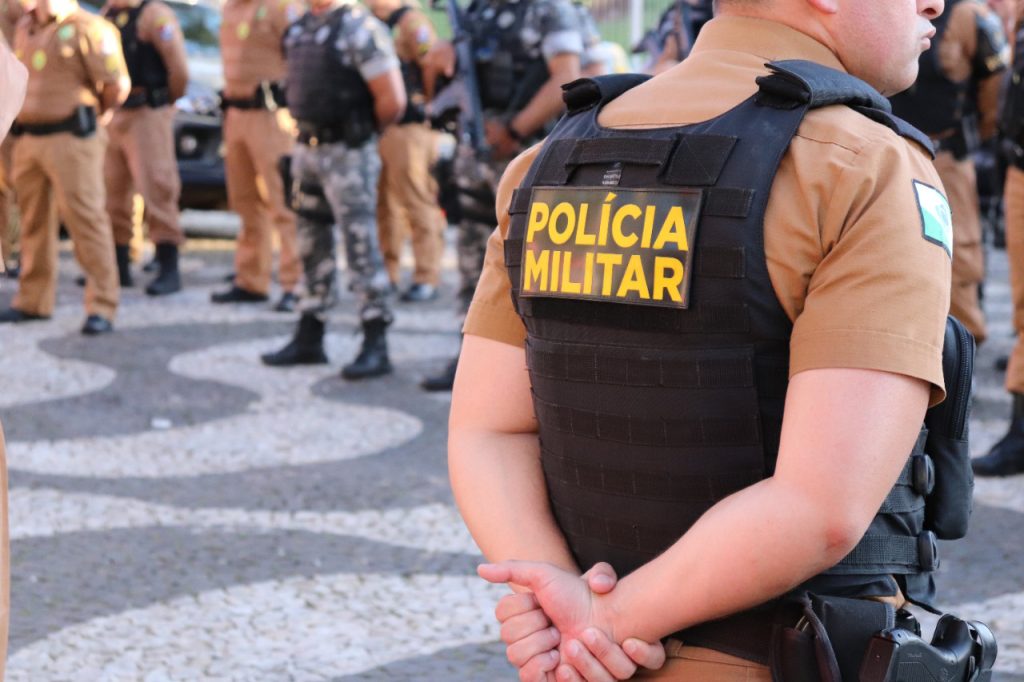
pixel 1011 116
pixel 508 74
pixel 145 65
pixel 322 91
pixel 934 103
pixel 412 76
pixel 650 415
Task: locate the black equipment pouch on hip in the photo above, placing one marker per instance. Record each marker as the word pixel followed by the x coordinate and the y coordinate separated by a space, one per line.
pixel 84 121
pixel 948 507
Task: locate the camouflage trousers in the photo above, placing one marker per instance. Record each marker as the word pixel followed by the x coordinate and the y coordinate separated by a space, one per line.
pixel 335 187
pixel 477 181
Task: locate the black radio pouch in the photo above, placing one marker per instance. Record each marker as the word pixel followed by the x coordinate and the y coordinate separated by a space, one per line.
pixel 948 507
pixel 83 121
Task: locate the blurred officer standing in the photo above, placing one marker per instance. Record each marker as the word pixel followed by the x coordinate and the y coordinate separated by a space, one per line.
pixel 344 85
pixel 1007 456
pixel 76 75
pixel 676 32
pixel 10 12
pixel 257 132
pixel 140 155
pixel 524 52
pixel 408 201
pixel 12 83
pixel 955 101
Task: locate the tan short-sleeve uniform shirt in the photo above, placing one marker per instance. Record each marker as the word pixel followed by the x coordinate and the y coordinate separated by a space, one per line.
pixel 69 60
pixel 844 235
pixel 250 42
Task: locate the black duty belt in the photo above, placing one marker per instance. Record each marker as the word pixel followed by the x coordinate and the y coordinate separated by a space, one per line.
pixel 81 123
pixel 147 97
pixel 315 135
pixel 249 103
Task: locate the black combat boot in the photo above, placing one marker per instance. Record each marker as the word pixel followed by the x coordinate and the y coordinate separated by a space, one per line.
pixel 124 264
pixel 444 380
pixel 1006 457
pixel 372 360
pixel 305 348
pixel 168 279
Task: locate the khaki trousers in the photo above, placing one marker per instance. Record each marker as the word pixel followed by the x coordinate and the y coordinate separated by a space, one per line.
pixel 407 201
pixel 140 158
pixel 5 558
pixel 8 214
pixel 694 664
pixel 958 177
pixel 1013 198
pixel 67 169
pixel 254 141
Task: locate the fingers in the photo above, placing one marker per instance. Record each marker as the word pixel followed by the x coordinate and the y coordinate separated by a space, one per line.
pixel 651 656
pixel 538 644
pixel 540 668
pixel 525 573
pixel 585 665
pixel 601 578
pixel 515 605
pixel 608 654
pixel 524 625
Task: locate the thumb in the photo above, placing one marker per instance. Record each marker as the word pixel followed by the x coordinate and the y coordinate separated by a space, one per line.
pixel 601 578
pixel 525 573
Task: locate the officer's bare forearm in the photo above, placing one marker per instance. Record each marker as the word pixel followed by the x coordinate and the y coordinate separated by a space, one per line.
pixel 113 95
pixel 547 102
pixel 499 488
pixel 494 457
pixel 835 467
pixel 389 98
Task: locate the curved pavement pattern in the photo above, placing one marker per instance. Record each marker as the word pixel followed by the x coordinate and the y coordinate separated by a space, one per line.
pixel 180 512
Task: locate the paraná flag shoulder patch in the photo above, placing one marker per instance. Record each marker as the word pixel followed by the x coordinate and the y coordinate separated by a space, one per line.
pixel 936 218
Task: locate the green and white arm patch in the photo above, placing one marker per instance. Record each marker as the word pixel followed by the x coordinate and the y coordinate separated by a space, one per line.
pixel 936 218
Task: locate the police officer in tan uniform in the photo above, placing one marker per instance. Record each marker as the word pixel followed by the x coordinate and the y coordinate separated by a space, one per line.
pixel 955 101
pixel 10 12
pixel 257 132
pixel 140 155
pixel 580 419
pixel 12 83
pixel 407 202
pixel 76 76
pixel 1007 456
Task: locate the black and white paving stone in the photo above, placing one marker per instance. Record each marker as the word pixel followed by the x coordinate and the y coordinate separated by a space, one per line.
pixel 180 512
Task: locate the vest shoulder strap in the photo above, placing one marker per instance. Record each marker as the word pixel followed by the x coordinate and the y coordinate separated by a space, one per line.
pixel 397 15
pixel 815 85
pixel 586 93
pixel 794 83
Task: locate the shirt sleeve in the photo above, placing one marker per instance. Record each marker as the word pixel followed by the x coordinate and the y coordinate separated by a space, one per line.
pixel 491 314
pixel 101 53
pixel 368 48
pixel 558 25
pixel 416 34
pixel 879 294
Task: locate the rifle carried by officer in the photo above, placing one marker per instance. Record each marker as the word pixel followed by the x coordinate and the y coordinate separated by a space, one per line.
pixel 466 70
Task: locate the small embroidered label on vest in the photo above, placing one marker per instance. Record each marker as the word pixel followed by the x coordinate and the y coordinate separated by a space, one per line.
pixel 622 246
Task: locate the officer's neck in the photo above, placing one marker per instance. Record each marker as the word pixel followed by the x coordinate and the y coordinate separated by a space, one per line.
pixel 53 12
pixel 321 8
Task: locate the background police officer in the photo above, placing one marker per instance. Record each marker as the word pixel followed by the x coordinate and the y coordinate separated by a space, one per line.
pixel 585 430
pixel 344 84
pixel 10 12
pixel 12 83
pixel 671 40
pixel 955 102
pixel 408 200
pixel 76 74
pixel 257 132
pixel 524 52
pixel 1007 456
pixel 141 154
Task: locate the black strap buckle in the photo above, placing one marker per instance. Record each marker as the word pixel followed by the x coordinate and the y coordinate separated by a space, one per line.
pixel 923 475
pixel 928 551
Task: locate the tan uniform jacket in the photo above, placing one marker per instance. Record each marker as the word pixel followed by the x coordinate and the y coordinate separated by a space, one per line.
pixel 843 228
pixel 250 39
pixel 69 60
pixel 414 36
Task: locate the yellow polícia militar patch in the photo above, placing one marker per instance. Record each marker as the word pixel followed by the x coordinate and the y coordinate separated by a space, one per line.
pixel 39 60
pixel 626 246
